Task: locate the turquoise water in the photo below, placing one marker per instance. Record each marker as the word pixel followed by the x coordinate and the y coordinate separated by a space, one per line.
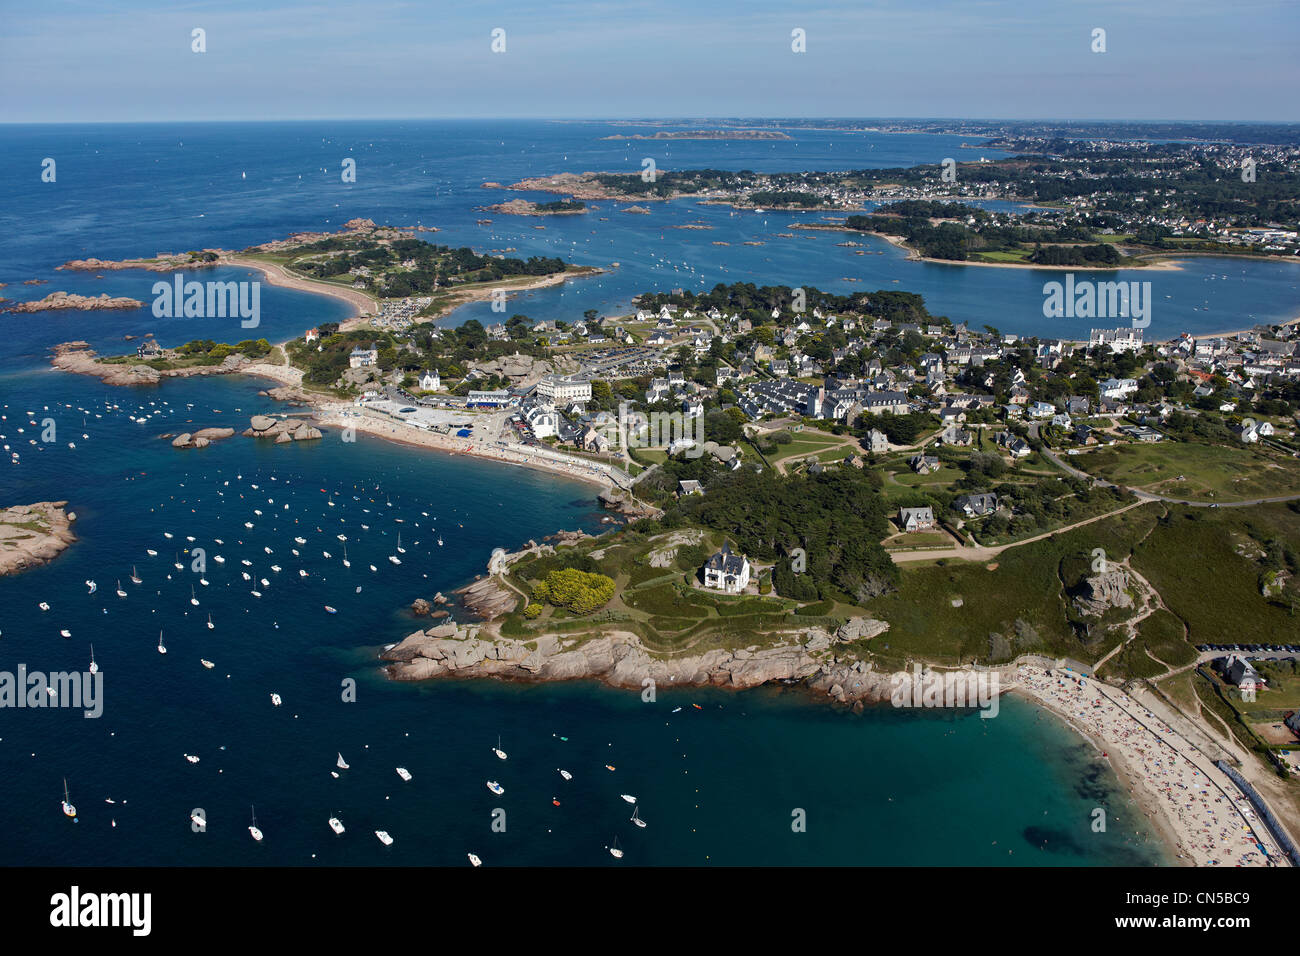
pixel 716 784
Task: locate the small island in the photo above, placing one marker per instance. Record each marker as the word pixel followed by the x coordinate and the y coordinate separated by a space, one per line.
pixel 707 134
pixel 56 301
pixel 522 207
pixel 32 535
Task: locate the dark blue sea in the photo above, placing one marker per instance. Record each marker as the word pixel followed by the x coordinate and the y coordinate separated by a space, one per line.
pixel 716 785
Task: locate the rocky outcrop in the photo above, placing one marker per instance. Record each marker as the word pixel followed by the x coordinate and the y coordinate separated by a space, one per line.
pixel 80 303
pixel 78 357
pixel 615 499
pixel 860 629
pixel 620 659
pixel 1104 591
pixel 32 535
pixel 488 598
pixel 201 438
pixel 516 368
pixel 283 431
pixel 420 607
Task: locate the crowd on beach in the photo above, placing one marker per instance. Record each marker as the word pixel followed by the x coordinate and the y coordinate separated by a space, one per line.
pixel 1212 821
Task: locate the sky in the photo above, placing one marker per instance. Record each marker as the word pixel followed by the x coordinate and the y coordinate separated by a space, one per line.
pixel 131 60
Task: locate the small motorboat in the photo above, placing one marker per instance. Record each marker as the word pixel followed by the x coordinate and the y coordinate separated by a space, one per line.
pixel 336 824
pixel 275 699
pixel 384 838
pixel 151 552
pixel 555 801
pixel 496 787
pixel 206 663
pixel 565 774
pixel 43 606
pixel 191 758
pixel 628 797
pixel 330 610
pixel 404 773
pixel 609 767
pixel 474 861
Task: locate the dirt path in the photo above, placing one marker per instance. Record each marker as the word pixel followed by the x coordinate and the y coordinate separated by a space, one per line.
pixel 984 553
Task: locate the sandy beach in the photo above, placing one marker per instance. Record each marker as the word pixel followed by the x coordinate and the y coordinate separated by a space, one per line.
pixel 340 415
pixel 1201 814
pixel 275 275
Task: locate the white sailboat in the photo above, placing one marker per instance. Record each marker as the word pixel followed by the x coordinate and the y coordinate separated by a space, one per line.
pixel 193 600
pixel 253 830
pixel 342 764
pixel 346 562
pixel 400 549
pixel 94 668
pixel 637 819
pixel 614 851
pixel 497 749
pixel 135 578
pixel 68 809
pixel 120 592
pixel 211 626
pixel 161 649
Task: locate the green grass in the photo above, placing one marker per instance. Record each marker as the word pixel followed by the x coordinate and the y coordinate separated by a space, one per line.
pixel 1192 559
pixel 1209 472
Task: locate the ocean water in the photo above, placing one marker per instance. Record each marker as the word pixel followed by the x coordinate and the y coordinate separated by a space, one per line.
pixel 130 190
pixel 717 784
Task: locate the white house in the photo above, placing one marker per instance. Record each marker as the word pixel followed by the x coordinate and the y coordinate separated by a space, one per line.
pixel 563 389
pixel 430 381
pixel 916 519
pixel 363 358
pixel 544 421
pixel 727 571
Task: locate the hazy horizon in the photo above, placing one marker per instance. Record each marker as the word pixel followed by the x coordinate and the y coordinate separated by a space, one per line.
pixel 1165 60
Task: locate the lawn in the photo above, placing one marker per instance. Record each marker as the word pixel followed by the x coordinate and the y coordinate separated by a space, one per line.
pixel 1195 471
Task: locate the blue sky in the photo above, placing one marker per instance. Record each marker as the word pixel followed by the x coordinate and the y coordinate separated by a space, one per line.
pixel 1165 59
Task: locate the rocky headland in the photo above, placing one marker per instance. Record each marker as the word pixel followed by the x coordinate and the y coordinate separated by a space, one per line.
pixel 32 535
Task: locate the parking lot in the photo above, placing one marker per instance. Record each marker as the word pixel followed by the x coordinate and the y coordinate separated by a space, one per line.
pixel 1256 652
